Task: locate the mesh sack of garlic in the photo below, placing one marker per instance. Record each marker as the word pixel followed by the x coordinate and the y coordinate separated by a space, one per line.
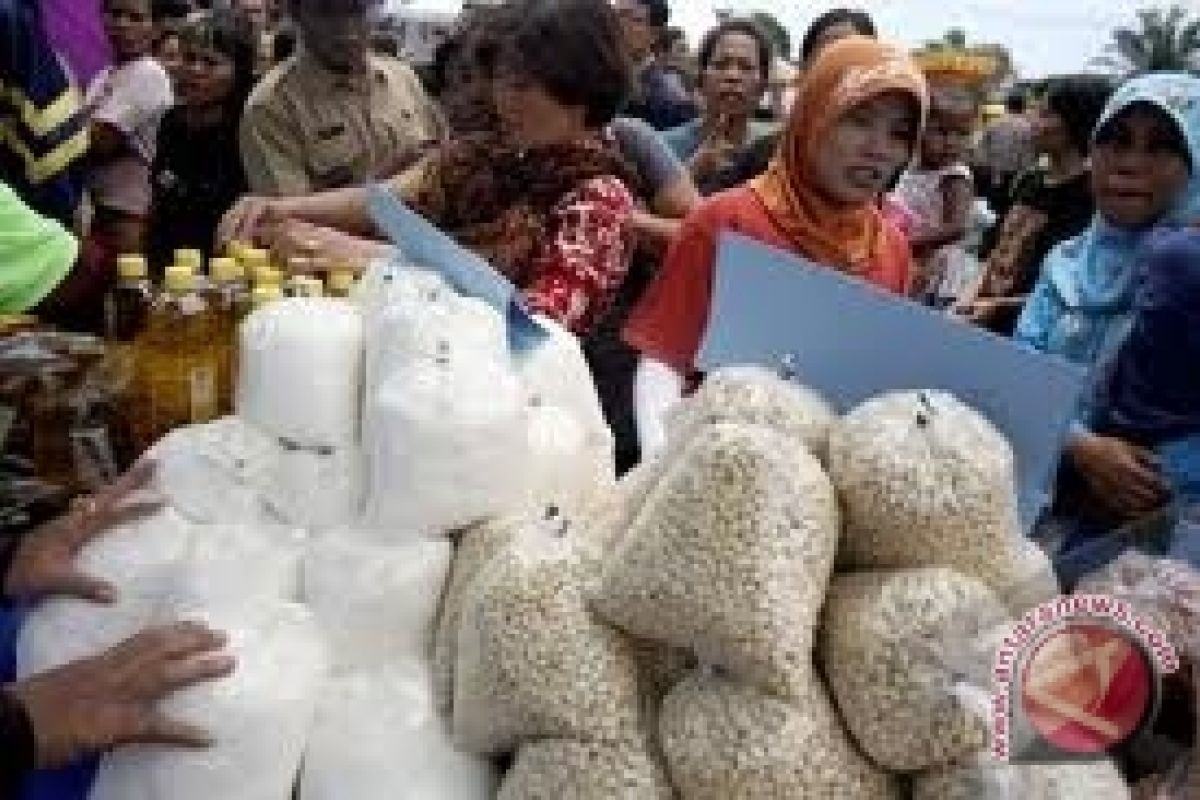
pixel 727 741
pixel 881 650
pixel 730 556
pixel 925 481
pixel 562 769
pixel 754 395
pixel 533 662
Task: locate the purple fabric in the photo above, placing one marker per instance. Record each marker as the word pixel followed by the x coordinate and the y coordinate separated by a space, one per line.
pixel 75 29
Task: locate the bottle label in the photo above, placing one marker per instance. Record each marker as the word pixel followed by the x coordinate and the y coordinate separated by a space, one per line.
pixel 203 393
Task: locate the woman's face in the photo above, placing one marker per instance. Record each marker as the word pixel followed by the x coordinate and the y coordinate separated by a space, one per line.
pixel 207 77
pixel 732 83
pixel 1137 170
pixel 129 27
pixel 169 53
pixel 865 148
pixel 529 115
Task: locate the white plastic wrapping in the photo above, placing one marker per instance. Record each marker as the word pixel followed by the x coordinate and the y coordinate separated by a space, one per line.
pixel 375 601
pixel 558 769
pixel 230 569
pixel 141 559
pixel 316 488
pixel 216 472
pixel 260 716
pixel 448 446
pixel 300 371
pixel 377 737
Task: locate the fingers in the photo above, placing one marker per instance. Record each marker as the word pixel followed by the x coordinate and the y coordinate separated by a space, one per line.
pixel 181 673
pixel 83 587
pixel 160 730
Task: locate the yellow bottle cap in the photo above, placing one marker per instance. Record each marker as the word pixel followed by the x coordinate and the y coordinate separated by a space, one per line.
pixel 237 249
pixel 254 258
pixel 191 258
pixel 131 266
pixel 268 275
pixel 341 282
pixel 180 279
pixel 225 270
pixel 265 293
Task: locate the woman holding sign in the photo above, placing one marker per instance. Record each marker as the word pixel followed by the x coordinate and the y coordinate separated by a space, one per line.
pixel 855 124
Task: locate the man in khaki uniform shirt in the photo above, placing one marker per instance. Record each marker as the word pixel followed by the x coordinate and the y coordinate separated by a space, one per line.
pixel 334 115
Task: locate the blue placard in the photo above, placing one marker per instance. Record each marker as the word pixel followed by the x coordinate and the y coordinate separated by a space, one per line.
pixel 851 341
pixel 424 245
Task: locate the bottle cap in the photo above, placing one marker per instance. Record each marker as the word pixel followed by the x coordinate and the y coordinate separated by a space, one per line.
pixel 254 258
pixel 341 282
pixel 189 257
pixel 265 293
pixel 131 266
pixel 180 279
pixel 237 249
pixel 268 275
pixel 225 270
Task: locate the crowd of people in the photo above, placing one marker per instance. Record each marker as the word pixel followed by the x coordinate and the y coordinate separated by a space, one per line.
pixel 561 141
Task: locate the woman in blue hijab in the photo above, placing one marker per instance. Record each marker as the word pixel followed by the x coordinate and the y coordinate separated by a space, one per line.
pixel 1145 155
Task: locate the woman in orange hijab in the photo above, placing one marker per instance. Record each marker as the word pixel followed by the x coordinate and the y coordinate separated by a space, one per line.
pixel 856 121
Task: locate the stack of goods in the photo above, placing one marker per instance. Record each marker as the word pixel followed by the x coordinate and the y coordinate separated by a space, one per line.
pixel 739 620
pixel 324 564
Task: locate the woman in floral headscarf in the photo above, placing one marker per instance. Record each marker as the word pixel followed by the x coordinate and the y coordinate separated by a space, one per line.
pixel 854 125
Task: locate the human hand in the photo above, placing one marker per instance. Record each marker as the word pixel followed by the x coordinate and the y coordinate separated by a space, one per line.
pixel 108 701
pixel 977 312
pixel 307 248
pixel 247 219
pixel 715 153
pixel 44 564
pixel 1122 477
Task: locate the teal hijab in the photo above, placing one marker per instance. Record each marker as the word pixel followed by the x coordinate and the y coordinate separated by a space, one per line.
pixel 1087 283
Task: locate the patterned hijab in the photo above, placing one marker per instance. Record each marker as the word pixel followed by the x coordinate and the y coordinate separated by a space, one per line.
pixel 847 73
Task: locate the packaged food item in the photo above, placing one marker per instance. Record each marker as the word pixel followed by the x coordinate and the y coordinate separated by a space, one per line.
pixel 574 770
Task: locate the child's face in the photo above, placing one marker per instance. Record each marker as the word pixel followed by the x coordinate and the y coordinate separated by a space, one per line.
pixel 169 53
pixel 130 28
pixel 207 76
pixel 947 137
pixel 865 149
pixel 1137 169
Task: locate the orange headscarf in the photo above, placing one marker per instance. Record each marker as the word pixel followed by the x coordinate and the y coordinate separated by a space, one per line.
pixel 847 73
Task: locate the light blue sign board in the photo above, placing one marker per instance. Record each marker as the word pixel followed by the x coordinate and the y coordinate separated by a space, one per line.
pixel 424 245
pixel 851 341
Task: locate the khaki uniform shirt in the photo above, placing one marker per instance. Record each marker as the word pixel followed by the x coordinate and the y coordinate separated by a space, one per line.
pixel 306 129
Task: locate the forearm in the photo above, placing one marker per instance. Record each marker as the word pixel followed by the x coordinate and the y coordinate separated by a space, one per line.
pixel 655 233
pixel 939 237
pixel 342 209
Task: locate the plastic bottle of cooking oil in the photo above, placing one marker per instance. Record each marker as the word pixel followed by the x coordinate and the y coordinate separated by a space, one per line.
pixel 230 301
pixel 255 263
pixel 127 305
pixel 191 258
pixel 181 356
pixel 304 286
pixel 127 309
